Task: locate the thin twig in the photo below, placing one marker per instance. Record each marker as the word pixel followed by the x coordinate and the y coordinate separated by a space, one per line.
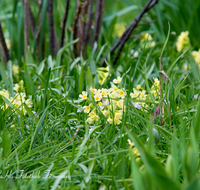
pixel 98 19
pixel 125 36
pixel 64 23
pixel 147 22
pixel 161 98
pixel 26 29
pixel 4 47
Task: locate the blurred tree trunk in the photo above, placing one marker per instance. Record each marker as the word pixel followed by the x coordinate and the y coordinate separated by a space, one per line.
pixel 26 28
pixel 3 48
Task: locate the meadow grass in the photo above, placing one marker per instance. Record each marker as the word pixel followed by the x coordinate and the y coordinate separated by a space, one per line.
pixel 55 133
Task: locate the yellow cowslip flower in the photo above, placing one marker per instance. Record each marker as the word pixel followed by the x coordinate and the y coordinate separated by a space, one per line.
pixel 29 103
pixel 113 95
pixel 86 109
pixel 154 92
pixel 92 117
pixel 105 112
pixel 97 97
pixel 96 117
pixel 138 87
pixel 135 94
pixel 5 93
pixel 121 93
pixel 120 103
pixel 110 120
pixel 117 81
pixel 15 69
pixel 143 95
pixel 119 29
pixel 130 143
pixel 113 88
pixel 136 152
pixel 183 41
pixel 156 82
pixel 89 120
pixel 104 92
pixel 16 87
pixel 118 117
pixel 92 114
pixel 117 121
pixel 196 55
pixel 147 37
pixel 17 103
pixel 83 96
pixel 92 89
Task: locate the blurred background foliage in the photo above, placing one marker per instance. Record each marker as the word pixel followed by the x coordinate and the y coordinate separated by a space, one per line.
pixel 182 17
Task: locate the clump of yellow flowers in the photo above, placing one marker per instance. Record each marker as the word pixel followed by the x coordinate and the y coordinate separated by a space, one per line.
pixel 111 102
pixel 196 55
pixel 139 95
pixel 119 29
pixel 19 100
pixel 147 37
pixel 183 41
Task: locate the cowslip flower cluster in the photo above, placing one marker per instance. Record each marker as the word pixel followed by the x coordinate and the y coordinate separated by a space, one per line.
pixel 109 102
pixel 183 41
pixel 19 98
pixel 119 29
pixel 196 55
pixel 15 69
pixel 147 37
pixel 140 94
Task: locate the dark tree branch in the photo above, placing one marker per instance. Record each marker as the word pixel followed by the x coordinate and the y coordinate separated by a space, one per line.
pixel 125 36
pixel 75 29
pixel 83 26
pixel 5 57
pixel 89 23
pixel 64 23
pixel 98 19
pixel 51 27
pixel 26 29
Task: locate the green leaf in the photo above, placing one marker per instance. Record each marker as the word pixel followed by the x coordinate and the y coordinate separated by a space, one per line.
pixel 5 143
pixel 136 174
pixel 121 12
pixel 153 166
pixel 179 87
pixel 193 185
pixel 60 52
pixel 89 171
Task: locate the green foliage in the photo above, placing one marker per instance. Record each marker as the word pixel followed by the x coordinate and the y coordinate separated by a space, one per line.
pixel 49 144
